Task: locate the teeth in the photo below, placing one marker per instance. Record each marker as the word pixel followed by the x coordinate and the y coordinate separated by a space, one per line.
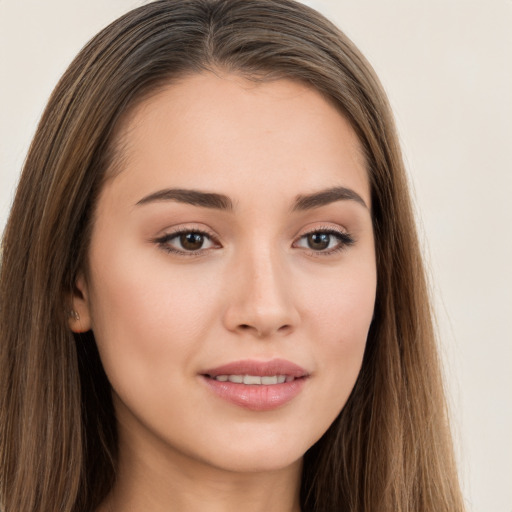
pixel 252 379
pixel 255 379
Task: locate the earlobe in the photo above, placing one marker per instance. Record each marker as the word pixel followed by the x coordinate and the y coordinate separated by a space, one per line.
pixel 79 317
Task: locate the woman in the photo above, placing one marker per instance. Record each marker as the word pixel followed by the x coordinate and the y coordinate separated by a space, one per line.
pixel 211 288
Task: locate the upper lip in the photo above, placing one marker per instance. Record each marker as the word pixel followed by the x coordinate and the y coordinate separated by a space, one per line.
pixel 261 368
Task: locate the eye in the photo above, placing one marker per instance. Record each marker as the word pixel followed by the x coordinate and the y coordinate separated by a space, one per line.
pixel 325 241
pixel 186 242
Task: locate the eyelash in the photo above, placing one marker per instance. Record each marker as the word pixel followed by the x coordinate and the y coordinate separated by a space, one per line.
pixel 163 242
pixel 344 240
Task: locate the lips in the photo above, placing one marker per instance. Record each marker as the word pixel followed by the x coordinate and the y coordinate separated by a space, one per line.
pixel 257 385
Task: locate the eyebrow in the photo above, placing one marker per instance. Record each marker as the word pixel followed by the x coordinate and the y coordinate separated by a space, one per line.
pixel 223 202
pixel 325 197
pixel 193 197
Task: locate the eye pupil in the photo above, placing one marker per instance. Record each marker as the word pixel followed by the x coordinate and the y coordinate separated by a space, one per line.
pixel 319 241
pixel 192 241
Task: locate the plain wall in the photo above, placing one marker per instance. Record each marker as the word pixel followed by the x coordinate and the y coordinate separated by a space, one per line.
pixel 447 67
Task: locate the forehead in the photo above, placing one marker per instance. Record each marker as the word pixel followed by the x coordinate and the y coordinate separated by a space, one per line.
pixel 217 131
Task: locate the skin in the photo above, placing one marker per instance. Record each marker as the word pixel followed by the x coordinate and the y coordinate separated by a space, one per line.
pixel 254 290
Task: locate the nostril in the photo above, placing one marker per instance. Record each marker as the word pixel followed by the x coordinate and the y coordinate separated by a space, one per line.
pixel 283 329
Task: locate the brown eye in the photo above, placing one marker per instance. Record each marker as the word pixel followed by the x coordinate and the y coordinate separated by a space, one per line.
pixel 318 241
pixel 324 241
pixel 186 242
pixel 192 241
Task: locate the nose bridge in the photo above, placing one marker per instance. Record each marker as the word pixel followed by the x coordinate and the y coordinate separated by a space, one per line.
pixel 263 302
pixel 266 276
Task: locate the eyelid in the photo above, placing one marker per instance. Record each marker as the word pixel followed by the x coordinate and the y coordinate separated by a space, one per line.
pixel 345 239
pixel 162 240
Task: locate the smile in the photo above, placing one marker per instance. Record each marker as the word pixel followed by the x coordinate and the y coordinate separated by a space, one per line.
pixel 257 385
pixel 258 380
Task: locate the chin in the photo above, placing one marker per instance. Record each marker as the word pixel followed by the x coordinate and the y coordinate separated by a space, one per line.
pixel 260 462
pixel 256 454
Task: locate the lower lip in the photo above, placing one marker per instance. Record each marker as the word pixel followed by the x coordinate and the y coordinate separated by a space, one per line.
pixel 256 397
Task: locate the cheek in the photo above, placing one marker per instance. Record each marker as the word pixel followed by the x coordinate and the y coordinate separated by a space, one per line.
pixel 343 302
pixel 145 316
pixel 340 317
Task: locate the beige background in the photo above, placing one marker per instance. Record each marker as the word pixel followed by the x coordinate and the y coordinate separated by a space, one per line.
pixel 447 67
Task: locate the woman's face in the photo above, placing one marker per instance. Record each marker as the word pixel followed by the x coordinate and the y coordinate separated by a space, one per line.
pixel 235 244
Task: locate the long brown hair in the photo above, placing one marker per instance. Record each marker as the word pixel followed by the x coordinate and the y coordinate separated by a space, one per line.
pixel 389 449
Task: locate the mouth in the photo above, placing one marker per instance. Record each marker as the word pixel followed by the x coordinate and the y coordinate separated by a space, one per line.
pixel 256 385
pixel 254 380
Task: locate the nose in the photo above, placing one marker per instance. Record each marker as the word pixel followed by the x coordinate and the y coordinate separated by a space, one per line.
pixel 262 302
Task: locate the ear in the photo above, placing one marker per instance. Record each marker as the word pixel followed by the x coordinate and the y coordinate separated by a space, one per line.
pixel 80 315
